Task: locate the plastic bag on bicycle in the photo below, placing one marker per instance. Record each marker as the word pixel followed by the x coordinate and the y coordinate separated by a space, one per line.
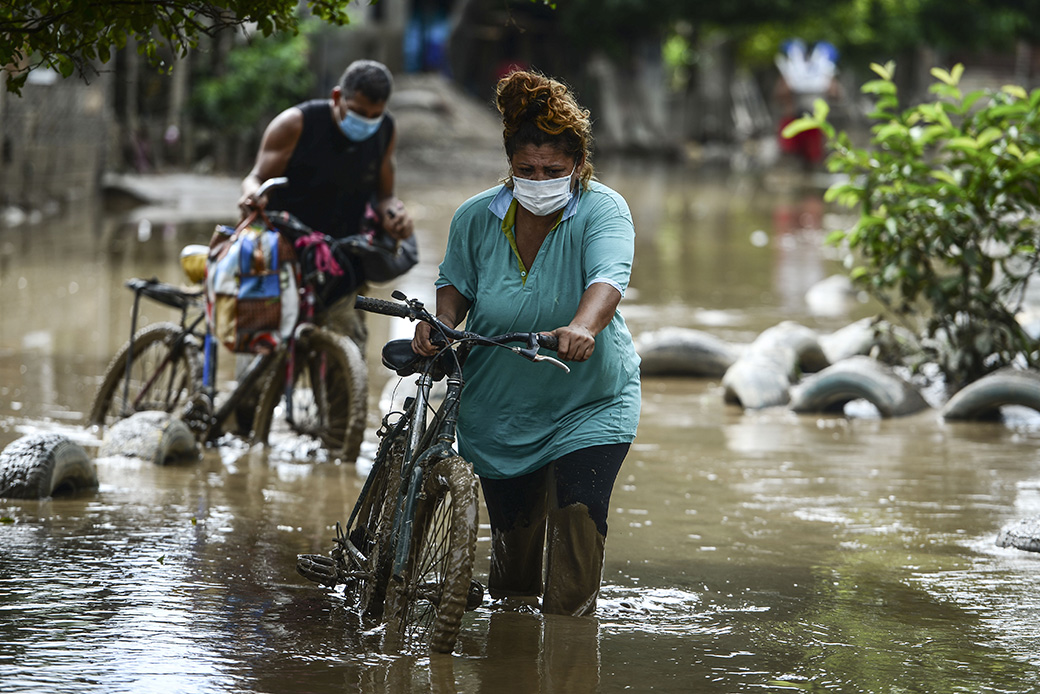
pixel 252 302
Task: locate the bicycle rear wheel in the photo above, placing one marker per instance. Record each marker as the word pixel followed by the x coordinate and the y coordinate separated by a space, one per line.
pixel 165 371
pixel 328 398
pixel 426 605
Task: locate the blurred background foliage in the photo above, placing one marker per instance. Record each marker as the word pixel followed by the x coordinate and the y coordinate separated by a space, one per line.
pixel 659 76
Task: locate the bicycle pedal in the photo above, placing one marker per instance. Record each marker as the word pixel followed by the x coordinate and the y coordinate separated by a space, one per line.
pixel 197 413
pixel 317 568
pixel 475 596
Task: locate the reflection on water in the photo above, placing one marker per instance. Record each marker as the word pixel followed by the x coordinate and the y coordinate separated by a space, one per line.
pixel 748 551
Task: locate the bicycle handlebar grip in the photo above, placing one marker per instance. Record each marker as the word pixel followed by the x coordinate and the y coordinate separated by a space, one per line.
pixel 548 341
pixel 387 308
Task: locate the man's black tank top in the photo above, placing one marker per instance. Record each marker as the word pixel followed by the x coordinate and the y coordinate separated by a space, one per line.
pixel 331 177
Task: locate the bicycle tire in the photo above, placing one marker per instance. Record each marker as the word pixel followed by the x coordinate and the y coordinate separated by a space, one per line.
pixel 426 605
pixel 330 393
pixel 364 573
pixel 179 379
pixel 373 525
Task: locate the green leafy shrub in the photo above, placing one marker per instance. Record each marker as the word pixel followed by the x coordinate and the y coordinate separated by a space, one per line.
pixel 948 195
pixel 264 76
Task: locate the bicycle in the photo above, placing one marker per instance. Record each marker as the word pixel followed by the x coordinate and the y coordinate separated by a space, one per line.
pixel 406 554
pixel 318 379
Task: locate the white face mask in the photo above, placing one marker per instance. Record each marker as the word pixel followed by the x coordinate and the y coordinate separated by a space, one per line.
pixel 543 197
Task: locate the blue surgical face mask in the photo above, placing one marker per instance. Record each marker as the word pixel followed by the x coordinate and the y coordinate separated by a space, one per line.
pixel 357 127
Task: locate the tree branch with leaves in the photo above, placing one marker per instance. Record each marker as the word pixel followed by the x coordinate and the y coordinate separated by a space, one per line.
pixel 73 36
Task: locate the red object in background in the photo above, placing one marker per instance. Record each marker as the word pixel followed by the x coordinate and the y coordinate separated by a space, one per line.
pixel 807 144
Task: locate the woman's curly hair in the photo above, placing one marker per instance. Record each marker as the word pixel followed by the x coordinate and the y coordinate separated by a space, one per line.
pixel 538 110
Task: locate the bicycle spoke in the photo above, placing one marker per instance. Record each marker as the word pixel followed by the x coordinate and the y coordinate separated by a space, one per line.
pixel 163 374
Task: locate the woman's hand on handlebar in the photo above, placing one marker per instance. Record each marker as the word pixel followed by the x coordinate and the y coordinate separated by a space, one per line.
pixel 421 342
pixel 577 343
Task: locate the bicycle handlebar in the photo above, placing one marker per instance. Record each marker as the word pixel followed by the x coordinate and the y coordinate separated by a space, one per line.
pixel 387 308
pixel 414 310
pixel 269 184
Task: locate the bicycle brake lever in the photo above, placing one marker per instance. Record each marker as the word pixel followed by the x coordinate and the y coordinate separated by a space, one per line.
pixel 552 360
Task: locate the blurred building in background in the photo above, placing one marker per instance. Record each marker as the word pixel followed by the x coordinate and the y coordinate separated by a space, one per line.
pixel 680 92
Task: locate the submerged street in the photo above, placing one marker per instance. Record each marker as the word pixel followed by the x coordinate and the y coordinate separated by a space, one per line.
pixel 747 550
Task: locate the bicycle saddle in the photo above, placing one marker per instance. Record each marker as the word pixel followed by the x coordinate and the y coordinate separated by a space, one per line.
pixel 399 357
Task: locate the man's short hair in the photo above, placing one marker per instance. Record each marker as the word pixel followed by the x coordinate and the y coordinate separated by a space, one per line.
pixel 369 77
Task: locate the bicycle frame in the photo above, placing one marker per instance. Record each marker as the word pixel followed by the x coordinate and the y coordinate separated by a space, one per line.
pixel 408 547
pixel 421 450
pixel 169 296
pixel 174 297
pixel 427 444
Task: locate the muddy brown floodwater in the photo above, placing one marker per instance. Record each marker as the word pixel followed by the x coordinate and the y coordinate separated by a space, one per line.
pixel 747 551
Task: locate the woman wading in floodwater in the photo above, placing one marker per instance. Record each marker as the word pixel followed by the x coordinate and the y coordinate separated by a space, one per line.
pixel 549 249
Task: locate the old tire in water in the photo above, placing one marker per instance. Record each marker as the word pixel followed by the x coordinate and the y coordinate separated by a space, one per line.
pixel 983 398
pixel 427 605
pixel 684 352
pixel 1022 534
pixel 42 465
pixel 759 379
pixel 803 343
pixel 857 378
pixel 154 436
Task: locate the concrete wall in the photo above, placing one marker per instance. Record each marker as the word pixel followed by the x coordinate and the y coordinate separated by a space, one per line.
pixel 53 142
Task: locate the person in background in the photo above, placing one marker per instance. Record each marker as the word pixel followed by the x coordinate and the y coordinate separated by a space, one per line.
pixel 804 77
pixel 338 154
pixel 548 250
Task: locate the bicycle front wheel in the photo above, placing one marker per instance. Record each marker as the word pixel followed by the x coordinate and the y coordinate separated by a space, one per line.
pixel 328 396
pixel 165 371
pixel 426 605
pixel 372 529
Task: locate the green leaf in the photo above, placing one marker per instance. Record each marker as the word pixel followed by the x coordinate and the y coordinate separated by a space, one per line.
pixel 820 110
pixel 891 130
pixel 971 98
pixel 835 237
pixel 884 71
pixel 879 87
pixel 799 125
pixel 835 190
pixel 1015 91
pixel 943 76
pixel 1009 111
pixel 928 135
pixel 989 135
pixel 946 90
pixel 963 143
pixel 944 176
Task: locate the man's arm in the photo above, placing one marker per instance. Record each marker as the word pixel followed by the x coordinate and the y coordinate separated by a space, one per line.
pixel 272 159
pixel 396 220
